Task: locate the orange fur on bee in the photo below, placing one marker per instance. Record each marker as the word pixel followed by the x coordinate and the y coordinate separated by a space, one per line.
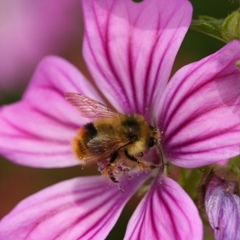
pixel 80 144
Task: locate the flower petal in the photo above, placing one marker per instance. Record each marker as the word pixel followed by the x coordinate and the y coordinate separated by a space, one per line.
pixel 200 116
pixel 166 212
pixel 38 130
pixel 80 208
pixel 223 209
pixel 130 47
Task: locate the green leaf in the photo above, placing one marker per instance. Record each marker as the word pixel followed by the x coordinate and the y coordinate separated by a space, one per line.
pixel 209 26
pixel 189 180
pixel 225 30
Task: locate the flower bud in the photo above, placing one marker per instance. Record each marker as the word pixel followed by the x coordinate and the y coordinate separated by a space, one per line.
pixel 222 205
pixel 231 27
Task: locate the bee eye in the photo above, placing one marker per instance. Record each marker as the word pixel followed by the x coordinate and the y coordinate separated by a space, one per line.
pixel 151 142
pixel 134 138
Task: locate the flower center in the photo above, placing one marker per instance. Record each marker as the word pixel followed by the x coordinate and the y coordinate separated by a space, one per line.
pixel 125 166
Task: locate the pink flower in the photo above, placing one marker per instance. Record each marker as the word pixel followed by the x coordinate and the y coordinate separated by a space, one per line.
pixel 130 49
pixel 223 208
pixel 30 30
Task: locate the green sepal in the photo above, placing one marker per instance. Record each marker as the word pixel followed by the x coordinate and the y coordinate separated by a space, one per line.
pixel 225 30
pixel 231 27
pixel 209 26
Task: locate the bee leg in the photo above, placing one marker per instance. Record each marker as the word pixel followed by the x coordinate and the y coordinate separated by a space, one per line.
pixel 142 165
pixel 130 157
pixel 110 167
pixel 113 158
pixel 112 177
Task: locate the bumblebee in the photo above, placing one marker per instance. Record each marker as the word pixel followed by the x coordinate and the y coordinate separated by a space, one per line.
pixel 111 136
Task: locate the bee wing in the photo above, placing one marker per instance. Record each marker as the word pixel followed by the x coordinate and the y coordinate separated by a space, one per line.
pixel 90 108
pixel 102 149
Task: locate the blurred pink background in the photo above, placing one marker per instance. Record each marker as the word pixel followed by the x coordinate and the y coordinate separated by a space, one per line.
pixel 30 30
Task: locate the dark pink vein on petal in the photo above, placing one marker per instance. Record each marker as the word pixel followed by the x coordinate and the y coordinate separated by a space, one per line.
pixel 191 118
pixel 110 58
pixel 180 152
pixel 107 57
pixel 131 69
pixel 28 133
pixel 150 63
pixel 164 54
pixel 197 139
pixel 67 206
pixel 146 85
pixel 178 89
pixel 70 79
pixel 54 119
pixel 95 189
pixel 176 229
pixel 93 54
pixel 169 212
pixel 58 153
pixel 142 217
pixel 151 212
pixel 98 222
pixel 101 221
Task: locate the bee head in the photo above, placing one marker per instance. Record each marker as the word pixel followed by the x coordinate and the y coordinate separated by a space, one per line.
pixel 136 129
pixel 132 128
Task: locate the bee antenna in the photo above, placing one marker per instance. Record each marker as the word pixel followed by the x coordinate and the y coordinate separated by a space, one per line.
pixel 153 118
